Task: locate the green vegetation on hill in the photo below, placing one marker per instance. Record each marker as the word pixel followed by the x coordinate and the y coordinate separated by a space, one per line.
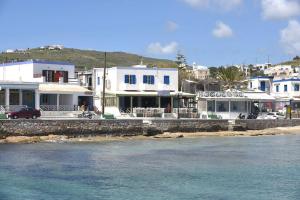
pixel 84 59
pixel 294 62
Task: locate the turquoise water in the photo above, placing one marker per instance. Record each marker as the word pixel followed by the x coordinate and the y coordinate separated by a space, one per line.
pixel 228 168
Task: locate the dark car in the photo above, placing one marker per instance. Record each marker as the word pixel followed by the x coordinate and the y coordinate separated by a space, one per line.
pixel 24 113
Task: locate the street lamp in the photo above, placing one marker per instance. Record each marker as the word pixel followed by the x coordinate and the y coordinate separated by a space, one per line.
pixel 179 96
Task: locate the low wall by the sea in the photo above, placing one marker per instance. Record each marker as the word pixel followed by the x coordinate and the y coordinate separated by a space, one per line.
pixel 131 127
pixel 260 124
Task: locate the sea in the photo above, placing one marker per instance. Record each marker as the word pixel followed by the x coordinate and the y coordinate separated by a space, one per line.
pixel 212 168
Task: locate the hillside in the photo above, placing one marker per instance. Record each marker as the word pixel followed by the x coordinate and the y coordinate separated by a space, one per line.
pixel 294 62
pixel 84 59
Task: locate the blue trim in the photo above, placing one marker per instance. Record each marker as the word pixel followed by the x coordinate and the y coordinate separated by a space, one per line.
pixel 37 62
pixel 285 80
pixel 258 77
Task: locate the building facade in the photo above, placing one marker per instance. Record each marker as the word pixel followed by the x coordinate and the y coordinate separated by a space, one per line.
pixel 44 85
pixel 137 87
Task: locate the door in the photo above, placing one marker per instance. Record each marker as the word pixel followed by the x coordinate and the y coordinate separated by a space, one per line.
pixel 263 86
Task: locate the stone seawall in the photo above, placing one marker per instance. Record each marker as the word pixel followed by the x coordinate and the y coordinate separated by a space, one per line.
pixel 70 127
pixel 260 124
pixel 190 125
pixel 131 127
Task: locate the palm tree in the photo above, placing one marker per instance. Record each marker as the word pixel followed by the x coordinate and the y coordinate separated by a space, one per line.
pixel 230 76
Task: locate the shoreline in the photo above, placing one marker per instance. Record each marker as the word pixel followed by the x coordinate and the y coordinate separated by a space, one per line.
pixel 167 135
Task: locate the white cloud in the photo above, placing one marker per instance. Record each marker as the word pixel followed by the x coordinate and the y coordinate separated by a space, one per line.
pixel 290 38
pixel 280 9
pixel 158 48
pixel 197 3
pixel 222 30
pixel 172 26
pixel 220 4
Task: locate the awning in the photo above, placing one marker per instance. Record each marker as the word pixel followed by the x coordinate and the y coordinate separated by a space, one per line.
pixel 259 96
pixel 148 93
pixel 63 89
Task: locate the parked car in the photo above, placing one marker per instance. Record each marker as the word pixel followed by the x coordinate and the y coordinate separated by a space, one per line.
pixel 24 113
pixel 274 115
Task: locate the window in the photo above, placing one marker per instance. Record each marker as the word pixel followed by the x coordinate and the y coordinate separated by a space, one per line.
pixel 238 106
pixel 54 76
pixel 211 106
pixel 222 106
pixel 148 79
pixel 285 88
pixel 296 87
pixel 277 88
pixel 130 79
pixel 98 80
pixel 167 80
pixel 250 84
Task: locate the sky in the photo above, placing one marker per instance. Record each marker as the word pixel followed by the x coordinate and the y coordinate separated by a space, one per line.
pixel 208 32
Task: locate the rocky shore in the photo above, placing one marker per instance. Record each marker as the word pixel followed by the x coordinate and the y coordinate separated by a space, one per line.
pixel 166 135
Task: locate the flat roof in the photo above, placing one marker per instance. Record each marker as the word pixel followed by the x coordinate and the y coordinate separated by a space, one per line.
pixel 56 88
pixel 36 61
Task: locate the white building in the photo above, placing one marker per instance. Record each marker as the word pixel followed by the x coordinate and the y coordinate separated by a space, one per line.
pixel 129 89
pixel 280 71
pixel 263 67
pixel 229 104
pixel 200 72
pixel 263 83
pixel 285 91
pixel 45 85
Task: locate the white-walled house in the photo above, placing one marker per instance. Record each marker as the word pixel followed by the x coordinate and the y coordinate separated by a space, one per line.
pixel 134 87
pixel 263 83
pixel 45 85
pixel 285 91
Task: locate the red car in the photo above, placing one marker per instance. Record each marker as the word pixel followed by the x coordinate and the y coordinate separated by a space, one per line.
pixel 24 113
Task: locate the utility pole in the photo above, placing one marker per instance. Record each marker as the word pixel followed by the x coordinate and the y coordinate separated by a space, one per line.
pixel 104 81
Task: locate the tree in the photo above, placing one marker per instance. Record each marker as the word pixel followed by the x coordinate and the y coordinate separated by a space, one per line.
pixel 296 58
pixel 230 76
pixel 183 69
pixel 213 71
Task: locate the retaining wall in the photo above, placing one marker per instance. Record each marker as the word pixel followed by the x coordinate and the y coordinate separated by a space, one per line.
pixel 130 127
pixel 259 124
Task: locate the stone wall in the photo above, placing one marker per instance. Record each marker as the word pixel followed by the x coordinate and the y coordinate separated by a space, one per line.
pixel 70 127
pixel 130 127
pixel 190 125
pixel 260 124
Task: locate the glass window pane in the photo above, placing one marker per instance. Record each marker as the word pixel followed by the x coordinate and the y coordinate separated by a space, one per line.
pixel 222 106
pixel 211 106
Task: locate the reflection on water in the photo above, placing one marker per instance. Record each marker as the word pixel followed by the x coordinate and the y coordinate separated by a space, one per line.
pixel 205 168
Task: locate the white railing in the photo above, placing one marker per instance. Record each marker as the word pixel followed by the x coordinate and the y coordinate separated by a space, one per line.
pixel 58 107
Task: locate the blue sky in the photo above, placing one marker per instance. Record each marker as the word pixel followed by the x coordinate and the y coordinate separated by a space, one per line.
pixel 208 32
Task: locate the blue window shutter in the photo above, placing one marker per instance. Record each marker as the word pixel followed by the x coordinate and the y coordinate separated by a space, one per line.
pixel 277 88
pixel 126 79
pixel 166 80
pixel 144 79
pixel 285 88
pixel 152 80
pixel 133 79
